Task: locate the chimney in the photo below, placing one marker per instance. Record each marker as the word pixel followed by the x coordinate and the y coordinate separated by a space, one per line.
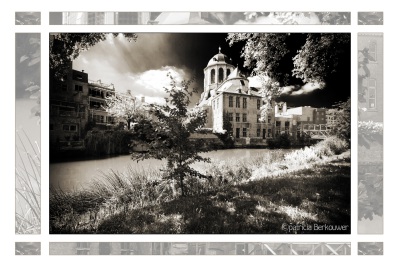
pixel 284 109
pixel 276 108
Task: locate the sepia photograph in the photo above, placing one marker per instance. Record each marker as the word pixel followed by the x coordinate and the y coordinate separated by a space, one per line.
pixel 199 133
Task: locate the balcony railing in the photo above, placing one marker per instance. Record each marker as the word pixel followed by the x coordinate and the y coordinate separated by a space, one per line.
pixel 65 113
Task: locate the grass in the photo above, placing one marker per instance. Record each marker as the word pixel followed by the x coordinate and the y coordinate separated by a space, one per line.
pixel 27 186
pixel 304 187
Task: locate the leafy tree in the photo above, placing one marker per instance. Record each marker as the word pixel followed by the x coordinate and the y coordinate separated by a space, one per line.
pixel 65 47
pixel 287 58
pixel 124 107
pixel 321 56
pixel 169 136
pixel 341 127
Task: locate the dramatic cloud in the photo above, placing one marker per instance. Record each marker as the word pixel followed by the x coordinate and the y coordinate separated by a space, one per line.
pixel 142 66
pixel 301 90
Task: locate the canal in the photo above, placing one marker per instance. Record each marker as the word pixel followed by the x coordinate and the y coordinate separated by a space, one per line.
pixel 78 174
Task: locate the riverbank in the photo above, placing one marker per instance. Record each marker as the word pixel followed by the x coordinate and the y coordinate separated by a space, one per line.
pixel 306 188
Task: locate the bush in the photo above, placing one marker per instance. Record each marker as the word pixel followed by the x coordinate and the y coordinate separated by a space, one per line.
pixel 280 141
pixel 331 146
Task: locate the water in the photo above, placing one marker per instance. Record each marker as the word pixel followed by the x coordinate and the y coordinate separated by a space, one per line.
pixel 78 174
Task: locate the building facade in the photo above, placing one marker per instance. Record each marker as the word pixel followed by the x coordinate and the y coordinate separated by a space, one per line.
pixel 69 109
pixel 231 104
pixel 98 92
pixel 370 59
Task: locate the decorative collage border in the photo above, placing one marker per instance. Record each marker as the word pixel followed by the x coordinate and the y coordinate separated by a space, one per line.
pixel 28 144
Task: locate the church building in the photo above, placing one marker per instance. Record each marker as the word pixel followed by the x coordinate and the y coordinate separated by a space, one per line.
pixel 233 105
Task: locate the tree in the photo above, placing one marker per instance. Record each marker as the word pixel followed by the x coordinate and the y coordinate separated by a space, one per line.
pixel 321 56
pixel 288 58
pixel 341 127
pixel 169 137
pixel 65 47
pixel 124 107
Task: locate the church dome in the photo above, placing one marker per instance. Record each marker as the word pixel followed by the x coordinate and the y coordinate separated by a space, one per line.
pixel 218 59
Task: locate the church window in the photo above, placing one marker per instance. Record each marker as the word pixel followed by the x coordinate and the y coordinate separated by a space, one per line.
pixel 238 102
pixel 212 76
pixel 244 102
pixel 220 75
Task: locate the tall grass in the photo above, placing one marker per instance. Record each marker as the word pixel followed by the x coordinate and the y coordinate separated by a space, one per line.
pixel 127 195
pixel 27 185
pixel 275 163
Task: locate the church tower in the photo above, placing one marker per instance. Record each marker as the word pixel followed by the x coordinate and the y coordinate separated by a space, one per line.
pixel 219 67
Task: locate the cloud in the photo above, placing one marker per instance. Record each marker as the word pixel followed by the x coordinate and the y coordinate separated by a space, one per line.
pixel 153 82
pixel 301 90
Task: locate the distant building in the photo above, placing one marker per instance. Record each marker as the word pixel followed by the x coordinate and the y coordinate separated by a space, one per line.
pixel 75 102
pixel 69 109
pixel 98 92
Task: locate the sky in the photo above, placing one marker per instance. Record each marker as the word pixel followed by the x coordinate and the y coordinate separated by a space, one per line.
pixel 142 67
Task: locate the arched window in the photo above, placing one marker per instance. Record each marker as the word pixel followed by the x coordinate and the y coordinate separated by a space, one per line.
pixel 228 71
pixel 220 75
pixel 212 76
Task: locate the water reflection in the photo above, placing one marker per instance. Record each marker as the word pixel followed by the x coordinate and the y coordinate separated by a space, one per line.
pixel 78 174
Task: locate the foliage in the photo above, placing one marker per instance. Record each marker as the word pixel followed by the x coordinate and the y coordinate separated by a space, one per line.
pixel 226 136
pixel 27 69
pixel 170 133
pixel 125 108
pixel 370 18
pixel 320 56
pixel 342 125
pixel 280 141
pixel 65 47
pixel 329 18
pixel 101 142
pixel 269 53
pixel 27 186
pixel 370 190
pixel 27 18
pixel 27 248
pixel 363 72
pixel 131 202
pixel 293 58
pixel 369 131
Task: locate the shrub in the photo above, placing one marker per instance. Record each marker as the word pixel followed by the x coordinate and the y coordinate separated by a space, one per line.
pixel 280 141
